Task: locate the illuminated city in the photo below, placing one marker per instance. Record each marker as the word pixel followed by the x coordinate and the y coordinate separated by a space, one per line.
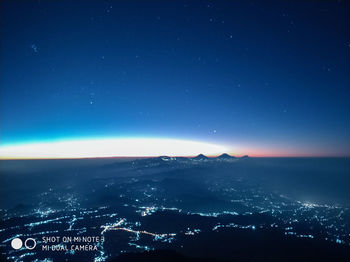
pixel 145 212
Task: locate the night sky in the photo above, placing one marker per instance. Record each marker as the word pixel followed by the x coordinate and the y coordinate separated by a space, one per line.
pixel 265 77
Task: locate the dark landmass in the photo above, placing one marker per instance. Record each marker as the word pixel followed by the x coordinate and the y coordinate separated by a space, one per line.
pixel 180 209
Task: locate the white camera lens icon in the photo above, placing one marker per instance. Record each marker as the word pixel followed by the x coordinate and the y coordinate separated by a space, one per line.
pixel 29 244
pixel 16 243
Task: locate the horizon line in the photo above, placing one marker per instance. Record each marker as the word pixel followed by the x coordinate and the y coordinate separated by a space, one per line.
pixel 138 147
pixel 185 156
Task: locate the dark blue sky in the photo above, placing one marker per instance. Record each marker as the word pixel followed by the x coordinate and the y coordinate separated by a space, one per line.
pixel 267 77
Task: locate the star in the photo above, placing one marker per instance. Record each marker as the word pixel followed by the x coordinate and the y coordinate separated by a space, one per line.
pixel 34 48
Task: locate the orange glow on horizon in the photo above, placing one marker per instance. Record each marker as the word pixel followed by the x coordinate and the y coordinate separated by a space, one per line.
pixel 136 148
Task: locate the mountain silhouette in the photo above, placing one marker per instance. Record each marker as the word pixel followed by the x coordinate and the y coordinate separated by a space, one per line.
pixel 225 156
pixel 201 157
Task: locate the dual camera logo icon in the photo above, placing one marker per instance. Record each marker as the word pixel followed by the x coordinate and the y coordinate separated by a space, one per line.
pixel 29 243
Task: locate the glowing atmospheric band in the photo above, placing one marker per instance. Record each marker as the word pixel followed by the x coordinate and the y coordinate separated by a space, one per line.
pixel 117 147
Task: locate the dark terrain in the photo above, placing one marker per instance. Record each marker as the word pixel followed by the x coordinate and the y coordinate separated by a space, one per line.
pixel 179 209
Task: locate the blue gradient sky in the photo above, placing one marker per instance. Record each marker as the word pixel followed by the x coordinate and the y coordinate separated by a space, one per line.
pixel 267 77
